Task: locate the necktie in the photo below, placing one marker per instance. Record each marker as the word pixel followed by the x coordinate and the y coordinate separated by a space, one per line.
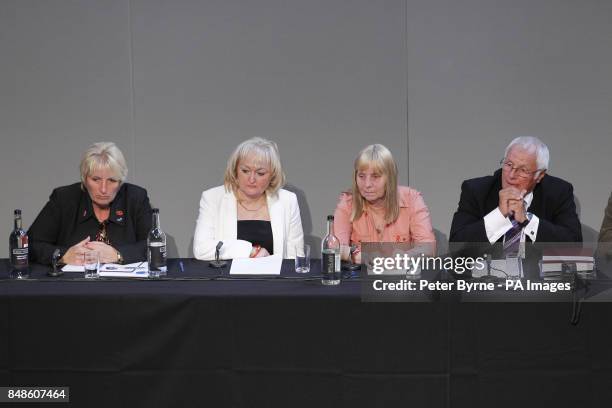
pixel 512 238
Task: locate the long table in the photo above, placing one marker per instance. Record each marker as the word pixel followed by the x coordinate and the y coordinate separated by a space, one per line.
pixel 202 338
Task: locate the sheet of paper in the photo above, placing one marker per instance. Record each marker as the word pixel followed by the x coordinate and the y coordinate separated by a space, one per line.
pixel 73 268
pixel 135 274
pixel 266 265
pixel 133 270
pixel 133 267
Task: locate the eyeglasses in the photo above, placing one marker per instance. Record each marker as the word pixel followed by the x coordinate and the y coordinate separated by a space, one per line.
pixel 522 172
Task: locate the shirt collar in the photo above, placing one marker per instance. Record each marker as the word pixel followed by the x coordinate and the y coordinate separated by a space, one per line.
pixel 528 199
pixel 402 201
pixel 117 209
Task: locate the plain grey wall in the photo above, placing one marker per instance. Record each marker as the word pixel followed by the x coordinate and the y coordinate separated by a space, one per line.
pixel 177 85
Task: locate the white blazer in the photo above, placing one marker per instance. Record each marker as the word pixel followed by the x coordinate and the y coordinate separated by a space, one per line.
pixel 218 219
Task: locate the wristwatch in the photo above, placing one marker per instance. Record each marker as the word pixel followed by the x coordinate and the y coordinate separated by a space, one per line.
pixel 527 219
pixel 119 257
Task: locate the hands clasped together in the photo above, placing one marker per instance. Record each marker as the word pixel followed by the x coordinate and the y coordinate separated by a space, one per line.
pixel 512 203
pixel 74 255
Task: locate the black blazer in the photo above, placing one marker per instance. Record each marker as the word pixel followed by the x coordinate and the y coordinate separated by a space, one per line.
pixel 553 203
pixel 68 218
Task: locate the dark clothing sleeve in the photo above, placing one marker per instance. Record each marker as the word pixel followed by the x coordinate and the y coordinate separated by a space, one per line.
pixel 468 221
pixel 563 225
pixel 605 233
pixel 137 251
pixel 44 232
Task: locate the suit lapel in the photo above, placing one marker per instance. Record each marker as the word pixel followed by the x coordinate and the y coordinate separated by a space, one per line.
pixel 537 206
pixel 492 200
pixel 228 216
pixel 277 214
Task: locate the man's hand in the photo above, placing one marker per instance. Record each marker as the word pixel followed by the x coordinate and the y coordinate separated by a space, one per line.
pixel 510 199
pixel 517 209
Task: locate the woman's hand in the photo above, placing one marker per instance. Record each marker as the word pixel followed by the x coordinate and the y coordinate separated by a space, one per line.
pixel 74 254
pixel 107 253
pixel 258 252
pixel 262 252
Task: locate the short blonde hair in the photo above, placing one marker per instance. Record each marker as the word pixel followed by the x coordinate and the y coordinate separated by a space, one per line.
pixel 381 159
pixel 266 153
pixel 103 155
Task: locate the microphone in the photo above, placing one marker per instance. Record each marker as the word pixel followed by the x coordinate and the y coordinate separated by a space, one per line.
pixel 488 277
pixel 55 257
pixel 217 263
pixel 351 269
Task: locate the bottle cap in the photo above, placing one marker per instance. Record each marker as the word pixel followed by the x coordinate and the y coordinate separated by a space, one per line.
pixel 17 212
pixel 330 218
pixel 155 210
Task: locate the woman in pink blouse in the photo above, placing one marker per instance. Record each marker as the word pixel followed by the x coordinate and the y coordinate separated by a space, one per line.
pixel 378 210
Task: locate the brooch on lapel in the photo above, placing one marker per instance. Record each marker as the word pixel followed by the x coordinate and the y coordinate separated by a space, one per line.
pixel 119 214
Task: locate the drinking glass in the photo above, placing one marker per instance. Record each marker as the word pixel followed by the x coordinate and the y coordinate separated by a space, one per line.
pixel 91 263
pixel 302 258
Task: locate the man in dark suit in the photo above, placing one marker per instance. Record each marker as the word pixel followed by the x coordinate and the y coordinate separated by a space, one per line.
pixel 518 203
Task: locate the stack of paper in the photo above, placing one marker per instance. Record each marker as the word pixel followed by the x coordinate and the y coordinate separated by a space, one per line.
pixel 557 262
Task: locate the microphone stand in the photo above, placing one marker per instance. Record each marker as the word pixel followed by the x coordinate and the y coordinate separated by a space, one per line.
pixel 55 272
pixel 217 263
pixel 488 277
pixel 348 266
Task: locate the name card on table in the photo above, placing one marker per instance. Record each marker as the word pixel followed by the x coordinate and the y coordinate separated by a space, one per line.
pixel 266 265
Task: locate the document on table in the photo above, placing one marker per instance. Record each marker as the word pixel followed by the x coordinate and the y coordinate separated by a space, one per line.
pixel 73 268
pixel 133 270
pixel 265 265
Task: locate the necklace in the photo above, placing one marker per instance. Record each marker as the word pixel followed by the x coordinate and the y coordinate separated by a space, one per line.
pixel 379 228
pixel 247 209
pixel 378 219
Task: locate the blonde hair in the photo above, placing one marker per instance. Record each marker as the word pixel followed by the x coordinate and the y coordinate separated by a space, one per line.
pixel 380 158
pixel 266 153
pixel 103 155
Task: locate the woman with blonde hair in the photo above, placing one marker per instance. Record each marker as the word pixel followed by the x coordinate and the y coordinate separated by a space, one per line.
pixel 101 213
pixel 377 209
pixel 251 214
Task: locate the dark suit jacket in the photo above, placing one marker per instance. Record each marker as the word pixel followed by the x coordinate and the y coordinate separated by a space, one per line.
pixel 68 218
pixel 605 233
pixel 553 203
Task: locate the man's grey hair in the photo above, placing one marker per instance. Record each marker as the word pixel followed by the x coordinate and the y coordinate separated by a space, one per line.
pixel 534 145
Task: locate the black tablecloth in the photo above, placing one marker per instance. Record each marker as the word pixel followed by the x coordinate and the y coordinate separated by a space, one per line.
pixel 292 342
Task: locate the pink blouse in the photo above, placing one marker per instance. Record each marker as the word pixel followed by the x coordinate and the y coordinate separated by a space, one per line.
pixel 413 224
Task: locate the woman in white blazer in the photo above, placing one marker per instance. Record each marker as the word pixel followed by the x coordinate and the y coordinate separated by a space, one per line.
pixel 250 213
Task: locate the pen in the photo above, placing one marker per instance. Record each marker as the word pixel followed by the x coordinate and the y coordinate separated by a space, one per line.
pixel 181 267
